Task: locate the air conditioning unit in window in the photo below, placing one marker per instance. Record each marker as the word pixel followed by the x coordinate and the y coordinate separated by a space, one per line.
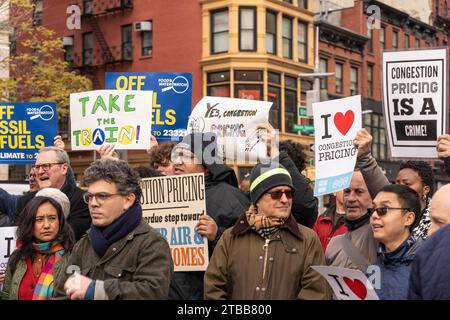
pixel 67 41
pixel 143 26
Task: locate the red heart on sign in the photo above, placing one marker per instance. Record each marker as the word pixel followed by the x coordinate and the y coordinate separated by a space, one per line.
pixel 358 288
pixel 344 122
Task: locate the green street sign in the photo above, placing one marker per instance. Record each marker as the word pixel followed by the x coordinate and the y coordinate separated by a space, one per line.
pixel 303 128
pixel 301 112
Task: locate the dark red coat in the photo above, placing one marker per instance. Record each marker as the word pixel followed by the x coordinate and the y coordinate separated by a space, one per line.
pixel 324 227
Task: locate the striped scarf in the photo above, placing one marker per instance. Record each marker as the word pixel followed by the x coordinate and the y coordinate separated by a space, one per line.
pixel 263 225
pixel 44 285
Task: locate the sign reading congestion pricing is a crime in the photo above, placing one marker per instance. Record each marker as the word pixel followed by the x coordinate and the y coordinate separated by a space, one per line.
pixel 110 117
pixel 26 127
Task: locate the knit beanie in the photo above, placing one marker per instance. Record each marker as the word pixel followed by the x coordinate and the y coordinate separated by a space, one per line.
pixel 203 145
pixel 58 196
pixel 264 177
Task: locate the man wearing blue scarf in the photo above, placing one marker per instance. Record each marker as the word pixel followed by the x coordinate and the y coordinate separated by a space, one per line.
pixel 121 257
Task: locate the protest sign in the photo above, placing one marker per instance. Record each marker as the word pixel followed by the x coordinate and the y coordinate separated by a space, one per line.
pixel 415 101
pixel 173 205
pixel 336 123
pixel 171 99
pixel 347 284
pixel 234 122
pixel 110 117
pixel 7 245
pixel 26 127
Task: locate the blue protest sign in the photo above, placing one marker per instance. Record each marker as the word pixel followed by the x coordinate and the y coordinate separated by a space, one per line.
pixel 26 127
pixel 171 103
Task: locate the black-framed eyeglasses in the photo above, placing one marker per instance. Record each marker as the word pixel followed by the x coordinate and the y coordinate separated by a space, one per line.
pixel 100 197
pixel 276 195
pixel 46 166
pixel 382 211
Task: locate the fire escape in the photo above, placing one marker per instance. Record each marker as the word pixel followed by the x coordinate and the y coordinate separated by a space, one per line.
pixel 92 12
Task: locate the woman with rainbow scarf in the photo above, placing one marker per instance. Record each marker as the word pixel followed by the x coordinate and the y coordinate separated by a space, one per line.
pixel 44 240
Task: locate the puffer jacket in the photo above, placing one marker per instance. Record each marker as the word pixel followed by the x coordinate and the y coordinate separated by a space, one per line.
pixel 137 267
pixel 395 269
pixel 13 278
pixel 246 266
pixel 324 226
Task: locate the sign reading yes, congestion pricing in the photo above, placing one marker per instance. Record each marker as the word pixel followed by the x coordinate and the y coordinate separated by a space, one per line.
pixel 415 100
pixel 171 100
pixel 336 123
pixel 110 117
pixel 26 127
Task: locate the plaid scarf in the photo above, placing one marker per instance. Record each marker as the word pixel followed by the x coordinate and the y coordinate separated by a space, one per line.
pixel 44 285
pixel 263 225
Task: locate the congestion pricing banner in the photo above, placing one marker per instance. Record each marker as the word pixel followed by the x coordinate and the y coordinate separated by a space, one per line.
pixel 173 205
pixel 415 89
pixel 171 100
pixel 336 123
pixel 234 122
pixel 116 117
pixel 26 127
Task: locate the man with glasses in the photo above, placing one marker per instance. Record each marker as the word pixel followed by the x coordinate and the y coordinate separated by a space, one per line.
pixel 396 211
pixel 52 169
pixel 122 257
pixel 267 254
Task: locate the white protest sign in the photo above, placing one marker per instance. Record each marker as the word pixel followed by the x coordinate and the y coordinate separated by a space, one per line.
pixel 347 284
pixel 7 245
pixel 234 122
pixel 336 123
pixel 118 117
pixel 173 205
pixel 415 101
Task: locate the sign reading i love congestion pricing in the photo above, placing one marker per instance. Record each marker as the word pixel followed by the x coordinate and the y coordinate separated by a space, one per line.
pixel 336 123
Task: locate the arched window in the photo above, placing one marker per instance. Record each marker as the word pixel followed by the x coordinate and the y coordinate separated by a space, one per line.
pixel 445 9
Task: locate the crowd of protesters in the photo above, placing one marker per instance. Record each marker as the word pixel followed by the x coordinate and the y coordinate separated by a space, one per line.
pixel 264 233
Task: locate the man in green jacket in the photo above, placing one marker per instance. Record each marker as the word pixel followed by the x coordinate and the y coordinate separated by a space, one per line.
pixel 121 257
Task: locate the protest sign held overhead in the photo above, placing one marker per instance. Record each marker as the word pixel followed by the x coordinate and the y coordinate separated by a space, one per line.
pixel 234 122
pixel 110 117
pixel 173 205
pixel 347 284
pixel 415 85
pixel 7 245
pixel 171 99
pixel 336 123
pixel 26 127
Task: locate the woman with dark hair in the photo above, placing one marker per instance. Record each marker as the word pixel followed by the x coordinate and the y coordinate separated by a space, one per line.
pixel 44 240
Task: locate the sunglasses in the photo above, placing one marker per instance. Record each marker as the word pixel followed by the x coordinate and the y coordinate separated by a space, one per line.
pixel 276 195
pixel 384 210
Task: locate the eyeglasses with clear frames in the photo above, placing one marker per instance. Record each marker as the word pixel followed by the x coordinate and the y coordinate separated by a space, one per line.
pixel 100 197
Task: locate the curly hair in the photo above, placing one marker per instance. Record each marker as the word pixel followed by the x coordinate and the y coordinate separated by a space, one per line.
pixel 25 228
pixel 424 171
pixel 295 152
pixel 126 179
pixel 161 155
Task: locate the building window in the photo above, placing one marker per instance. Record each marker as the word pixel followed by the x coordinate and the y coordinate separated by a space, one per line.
pixel 69 52
pixel 339 77
pixel 369 81
pixel 383 37
pixel 12 42
pixel 436 6
pixel 37 12
pixel 219 31
pixel 353 81
pixel 127 43
pixel 252 88
pixel 374 123
pixel 247 29
pixel 88 7
pixel 406 41
pixel 445 9
pixel 274 96
pixel 303 4
pixel 290 103
pixel 302 43
pixel 417 43
pixel 323 68
pixel 287 37
pixel 147 42
pixel 395 39
pixel 271 32
pixel 88 45
pixel 370 42
pixel 218 84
